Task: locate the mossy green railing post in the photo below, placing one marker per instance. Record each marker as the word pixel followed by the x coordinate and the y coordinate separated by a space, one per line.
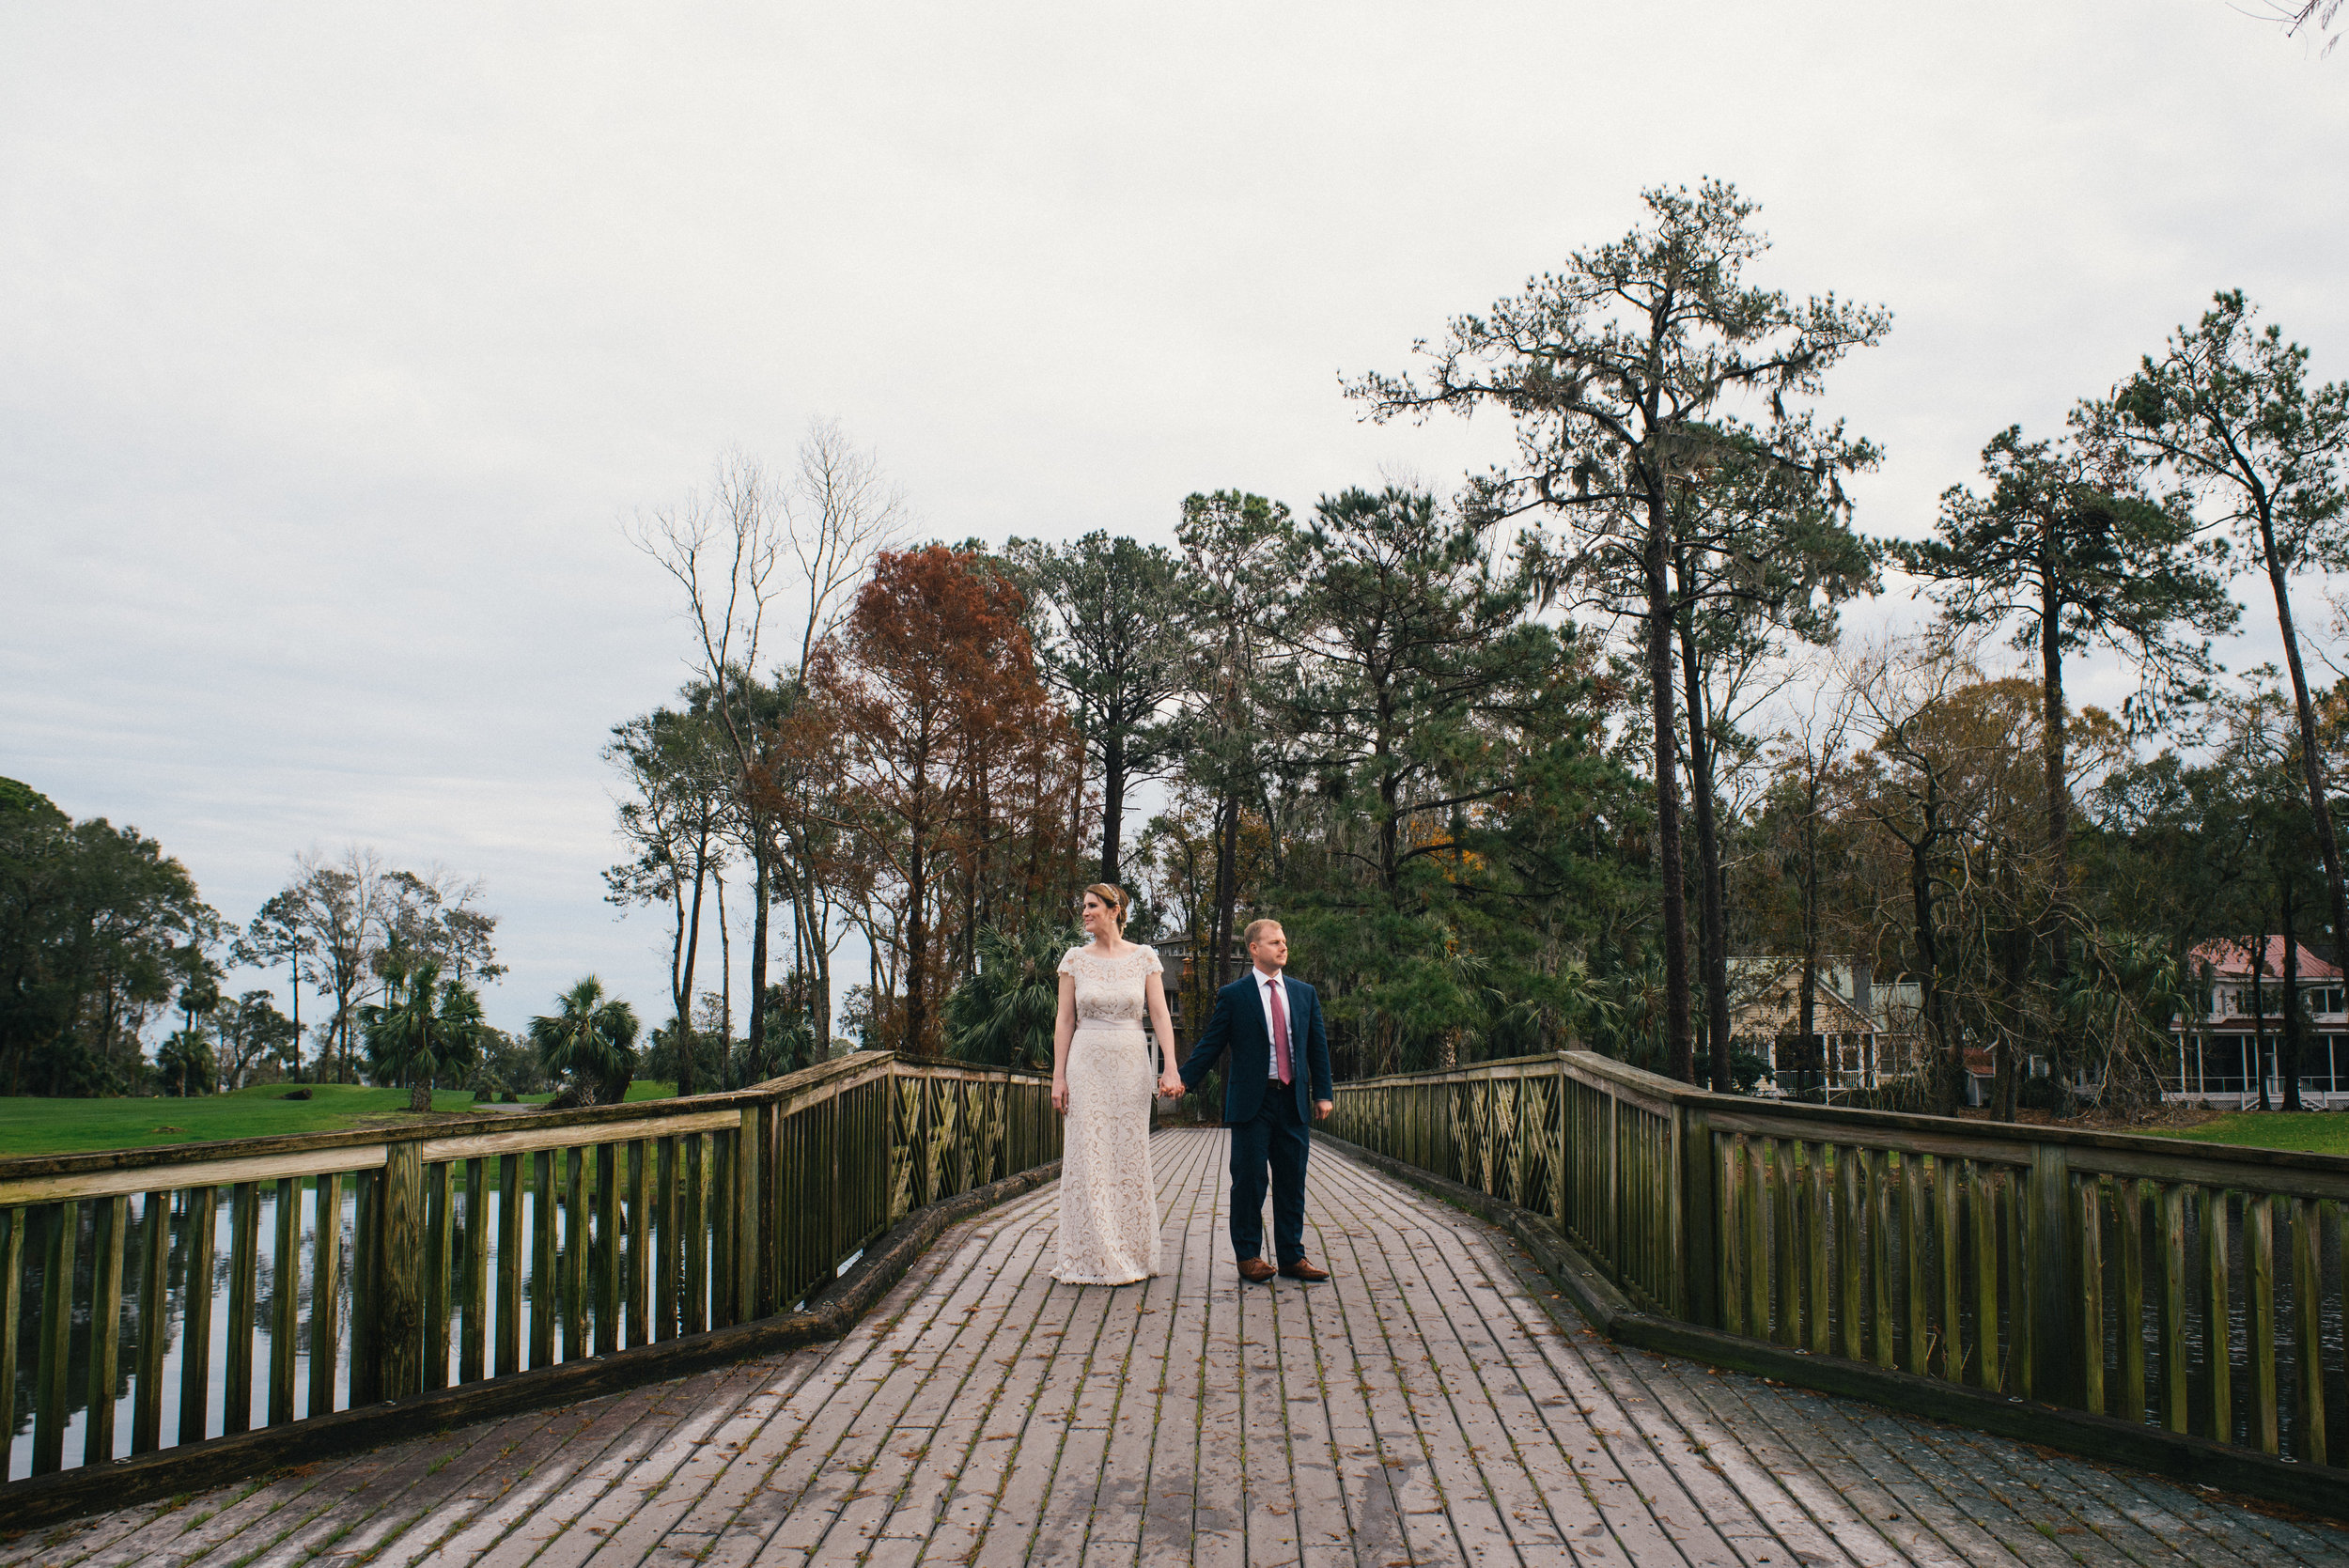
pixel 1699 1208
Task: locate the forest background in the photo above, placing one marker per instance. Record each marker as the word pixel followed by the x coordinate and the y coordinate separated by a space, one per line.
pixel 423 670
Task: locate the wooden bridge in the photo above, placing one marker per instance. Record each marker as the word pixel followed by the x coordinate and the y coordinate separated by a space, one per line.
pixel 1446 1399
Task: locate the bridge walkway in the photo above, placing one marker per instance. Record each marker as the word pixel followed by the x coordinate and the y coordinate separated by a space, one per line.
pixel 1435 1403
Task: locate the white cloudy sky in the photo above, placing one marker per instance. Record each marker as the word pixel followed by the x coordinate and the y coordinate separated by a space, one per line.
pixel 337 342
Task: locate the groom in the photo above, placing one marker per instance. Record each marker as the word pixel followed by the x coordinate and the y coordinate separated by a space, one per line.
pixel 1268 1023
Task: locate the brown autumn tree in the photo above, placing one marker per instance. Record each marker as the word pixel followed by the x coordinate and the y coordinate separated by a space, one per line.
pixel 930 697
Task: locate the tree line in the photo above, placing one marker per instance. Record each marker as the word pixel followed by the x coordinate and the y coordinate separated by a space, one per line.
pixel 1550 759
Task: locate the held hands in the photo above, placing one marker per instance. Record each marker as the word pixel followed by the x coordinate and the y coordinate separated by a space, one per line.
pixel 1171 1085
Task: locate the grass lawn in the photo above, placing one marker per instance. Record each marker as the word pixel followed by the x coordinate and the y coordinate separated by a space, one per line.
pixel 32 1126
pixel 2322 1132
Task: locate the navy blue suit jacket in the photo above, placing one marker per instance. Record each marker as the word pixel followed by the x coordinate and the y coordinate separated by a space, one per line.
pixel 1238 1026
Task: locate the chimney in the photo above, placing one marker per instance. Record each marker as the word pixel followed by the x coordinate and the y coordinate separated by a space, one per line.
pixel 1863 987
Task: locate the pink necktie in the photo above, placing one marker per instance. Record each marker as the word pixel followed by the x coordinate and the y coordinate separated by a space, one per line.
pixel 1280 1028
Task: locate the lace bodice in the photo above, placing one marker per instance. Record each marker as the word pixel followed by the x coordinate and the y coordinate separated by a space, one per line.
pixel 1109 991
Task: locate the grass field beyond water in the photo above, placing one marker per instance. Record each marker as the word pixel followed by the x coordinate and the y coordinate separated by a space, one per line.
pixel 2317 1132
pixel 30 1126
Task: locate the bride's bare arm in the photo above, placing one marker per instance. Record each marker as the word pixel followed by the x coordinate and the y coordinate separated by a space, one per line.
pixel 1162 1026
pixel 1064 1030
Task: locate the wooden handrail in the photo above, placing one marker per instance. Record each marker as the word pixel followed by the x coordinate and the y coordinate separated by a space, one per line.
pixel 475 1247
pixel 2181 1285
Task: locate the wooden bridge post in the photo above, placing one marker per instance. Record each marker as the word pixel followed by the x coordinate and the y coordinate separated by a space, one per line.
pixel 1699 1224
pixel 2054 1329
pixel 398 1337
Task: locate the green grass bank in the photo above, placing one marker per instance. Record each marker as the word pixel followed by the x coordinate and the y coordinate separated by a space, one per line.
pixel 31 1125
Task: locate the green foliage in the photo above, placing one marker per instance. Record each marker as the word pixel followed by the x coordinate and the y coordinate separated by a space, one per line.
pixel 426 1029
pixel 98 929
pixel 590 1042
pixel 183 1064
pixel 1003 1014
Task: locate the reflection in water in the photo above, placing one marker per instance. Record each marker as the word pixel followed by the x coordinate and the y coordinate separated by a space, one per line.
pixel 266 1298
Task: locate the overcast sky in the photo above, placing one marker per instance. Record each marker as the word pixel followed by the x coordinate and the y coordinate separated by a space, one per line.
pixel 338 343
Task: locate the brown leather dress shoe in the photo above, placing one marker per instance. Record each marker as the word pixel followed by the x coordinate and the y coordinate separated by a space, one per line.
pixel 1300 1269
pixel 1255 1270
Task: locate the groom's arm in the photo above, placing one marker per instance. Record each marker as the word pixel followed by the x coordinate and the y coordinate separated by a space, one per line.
pixel 1317 1054
pixel 1209 1045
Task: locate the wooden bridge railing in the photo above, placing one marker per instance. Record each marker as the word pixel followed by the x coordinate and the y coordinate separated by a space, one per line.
pixel 2195 1289
pixel 356 1268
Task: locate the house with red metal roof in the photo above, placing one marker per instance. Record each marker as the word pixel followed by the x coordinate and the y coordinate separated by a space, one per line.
pixel 2222 1055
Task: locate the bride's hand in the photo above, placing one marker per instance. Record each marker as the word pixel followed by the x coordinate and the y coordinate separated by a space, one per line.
pixel 1172 1086
pixel 1060 1096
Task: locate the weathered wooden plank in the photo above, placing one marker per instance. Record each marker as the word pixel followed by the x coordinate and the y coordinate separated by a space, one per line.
pixel 326 1274
pixel 694 1237
pixel 472 1360
pixel 668 1205
pixel 2175 1385
pixel 12 1224
pixel 1880 1258
pixel 52 1396
pixel 439 1240
pixel 106 1330
pixel 146 1407
pixel 1983 1201
pixel 2218 1317
pixel 1785 1261
pixel 2307 1338
pixel 545 1289
pixel 399 1304
pixel 284 1301
pixel 232 1171
pixel 606 1253
pixel 578 1333
pixel 1946 1260
pixel 640 1229
pixel 513 1248
pixel 1916 1228
pixel 530 1139
pixel 197 1220
pixel 2259 1264
pixel 244 1268
pixel 2130 1210
pixel 2093 1346
pixel 1817 1208
pixel 1850 1312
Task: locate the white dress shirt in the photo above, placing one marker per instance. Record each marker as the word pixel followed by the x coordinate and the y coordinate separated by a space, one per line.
pixel 1263 1000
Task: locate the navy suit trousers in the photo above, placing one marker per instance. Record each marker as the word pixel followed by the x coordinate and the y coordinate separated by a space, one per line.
pixel 1274 1137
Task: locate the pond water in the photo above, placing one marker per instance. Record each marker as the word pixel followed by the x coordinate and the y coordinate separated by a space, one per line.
pixel 265 1311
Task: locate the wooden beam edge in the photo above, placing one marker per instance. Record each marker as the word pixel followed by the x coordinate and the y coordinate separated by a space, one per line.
pixel 196 1467
pixel 2195 1463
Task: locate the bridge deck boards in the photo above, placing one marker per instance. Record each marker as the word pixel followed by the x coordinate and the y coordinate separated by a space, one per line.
pixel 1433 1404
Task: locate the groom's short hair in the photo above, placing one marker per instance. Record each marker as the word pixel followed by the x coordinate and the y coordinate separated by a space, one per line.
pixel 1257 928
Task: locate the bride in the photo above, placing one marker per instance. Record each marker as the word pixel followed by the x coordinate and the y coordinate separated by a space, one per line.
pixel 1108 1205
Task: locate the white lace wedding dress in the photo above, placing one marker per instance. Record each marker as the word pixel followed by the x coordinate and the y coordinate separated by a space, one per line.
pixel 1108 1205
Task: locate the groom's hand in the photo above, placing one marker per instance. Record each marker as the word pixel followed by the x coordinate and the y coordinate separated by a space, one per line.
pixel 1322 1109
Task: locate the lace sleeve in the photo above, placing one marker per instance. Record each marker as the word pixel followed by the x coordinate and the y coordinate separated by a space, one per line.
pixel 1154 966
pixel 1069 961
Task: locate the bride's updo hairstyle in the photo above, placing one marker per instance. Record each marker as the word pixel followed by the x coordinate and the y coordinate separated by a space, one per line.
pixel 1114 898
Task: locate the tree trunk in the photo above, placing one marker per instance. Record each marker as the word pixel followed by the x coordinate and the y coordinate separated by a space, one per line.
pixel 2258 1018
pixel 1670 867
pixel 2311 760
pixel 2053 741
pixel 1712 900
pixel 1807 1004
pixel 759 901
pixel 917 950
pixel 2289 1070
pixel 682 977
pixel 1937 1036
pixel 420 1096
pixel 1113 801
pixel 1226 885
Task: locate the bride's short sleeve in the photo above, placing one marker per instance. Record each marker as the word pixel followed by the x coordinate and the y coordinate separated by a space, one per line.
pixel 1154 966
pixel 1069 961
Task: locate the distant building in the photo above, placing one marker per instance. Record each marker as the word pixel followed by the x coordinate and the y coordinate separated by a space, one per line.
pixel 2215 1056
pixel 1868 1030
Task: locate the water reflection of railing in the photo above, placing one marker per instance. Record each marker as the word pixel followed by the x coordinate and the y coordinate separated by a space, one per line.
pixel 158 1297
pixel 2168 1290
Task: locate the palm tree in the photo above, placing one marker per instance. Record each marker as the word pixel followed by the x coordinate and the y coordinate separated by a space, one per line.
pixel 184 1063
pixel 590 1040
pixel 1004 1014
pixel 425 1025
